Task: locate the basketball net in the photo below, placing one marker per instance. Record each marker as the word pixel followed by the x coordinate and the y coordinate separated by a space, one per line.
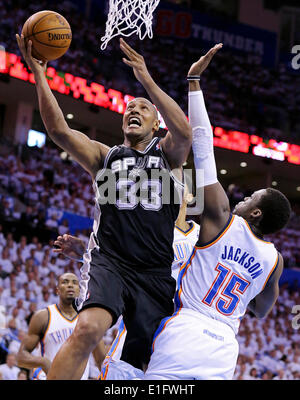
pixel 126 17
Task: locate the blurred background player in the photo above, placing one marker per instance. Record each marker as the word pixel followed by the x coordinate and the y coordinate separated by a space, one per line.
pixel 50 328
pixel 231 268
pixel 131 274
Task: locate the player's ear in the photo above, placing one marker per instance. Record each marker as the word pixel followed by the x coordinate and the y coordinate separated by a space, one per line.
pixel 156 125
pixel 256 214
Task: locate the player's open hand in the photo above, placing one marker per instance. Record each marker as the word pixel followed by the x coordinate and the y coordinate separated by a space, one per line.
pixel 199 66
pixel 136 61
pixel 70 246
pixel 34 64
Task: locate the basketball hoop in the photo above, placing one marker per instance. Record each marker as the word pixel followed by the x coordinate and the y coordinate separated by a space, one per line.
pixel 126 17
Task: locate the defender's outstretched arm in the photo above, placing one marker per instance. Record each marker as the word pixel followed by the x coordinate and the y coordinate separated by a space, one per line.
pixel 216 204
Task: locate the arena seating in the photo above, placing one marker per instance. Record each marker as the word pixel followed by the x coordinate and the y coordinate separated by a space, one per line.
pixel 29 268
pixel 240 93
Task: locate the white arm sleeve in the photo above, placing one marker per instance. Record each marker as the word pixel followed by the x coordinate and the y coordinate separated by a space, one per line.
pixel 203 145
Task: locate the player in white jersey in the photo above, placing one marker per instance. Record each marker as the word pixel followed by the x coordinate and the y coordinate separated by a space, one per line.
pixel 186 233
pixel 51 327
pixel 231 267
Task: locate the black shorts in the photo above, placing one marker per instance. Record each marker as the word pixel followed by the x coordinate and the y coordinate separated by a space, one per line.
pixel 143 298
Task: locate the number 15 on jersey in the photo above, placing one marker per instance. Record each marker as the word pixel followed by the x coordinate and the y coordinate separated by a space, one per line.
pixel 225 290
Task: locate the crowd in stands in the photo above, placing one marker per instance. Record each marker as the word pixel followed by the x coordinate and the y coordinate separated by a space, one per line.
pixel 43 182
pixel 269 348
pixel 240 93
pixel 29 273
pixel 47 185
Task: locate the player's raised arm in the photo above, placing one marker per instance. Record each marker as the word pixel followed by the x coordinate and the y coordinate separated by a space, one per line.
pixel 177 142
pixel 36 330
pixel 216 204
pixel 88 153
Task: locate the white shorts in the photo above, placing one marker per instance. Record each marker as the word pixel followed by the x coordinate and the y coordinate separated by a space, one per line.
pixel 115 369
pixel 120 370
pixel 190 345
pixel 38 374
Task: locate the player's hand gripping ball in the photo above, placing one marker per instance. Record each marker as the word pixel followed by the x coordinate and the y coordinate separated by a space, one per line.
pixel 50 34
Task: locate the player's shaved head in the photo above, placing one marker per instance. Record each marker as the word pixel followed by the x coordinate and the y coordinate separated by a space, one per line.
pixel 67 287
pixel 148 102
pixel 66 275
pixel 140 120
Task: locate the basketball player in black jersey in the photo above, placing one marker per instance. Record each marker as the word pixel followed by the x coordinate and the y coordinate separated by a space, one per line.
pixel 128 267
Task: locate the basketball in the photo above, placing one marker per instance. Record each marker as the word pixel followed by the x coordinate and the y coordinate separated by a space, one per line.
pixel 50 34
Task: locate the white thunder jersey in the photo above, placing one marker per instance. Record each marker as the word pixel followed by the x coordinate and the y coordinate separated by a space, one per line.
pixel 214 289
pixel 183 244
pixel 222 277
pixel 57 332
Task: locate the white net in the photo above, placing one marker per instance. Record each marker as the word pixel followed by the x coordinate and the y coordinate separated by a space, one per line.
pixel 126 17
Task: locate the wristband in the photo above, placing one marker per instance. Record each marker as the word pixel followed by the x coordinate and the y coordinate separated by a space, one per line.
pixel 193 78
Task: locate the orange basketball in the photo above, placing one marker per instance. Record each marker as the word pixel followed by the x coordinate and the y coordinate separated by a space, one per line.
pixel 50 34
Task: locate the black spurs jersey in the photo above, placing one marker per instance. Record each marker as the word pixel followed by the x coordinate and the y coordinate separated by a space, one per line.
pixel 137 203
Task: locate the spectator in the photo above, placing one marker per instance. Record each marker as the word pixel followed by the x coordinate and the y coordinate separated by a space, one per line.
pixel 22 375
pixel 6 264
pixel 2 318
pixel 15 344
pixel 51 222
pixel 2 238
pixel 9 370
pixel 253 374
pixel 63 228
pixel 45 299
pixel 32 309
